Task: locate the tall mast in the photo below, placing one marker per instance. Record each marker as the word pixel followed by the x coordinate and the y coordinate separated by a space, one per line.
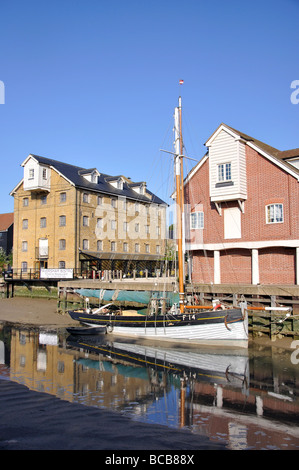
pixel 179 198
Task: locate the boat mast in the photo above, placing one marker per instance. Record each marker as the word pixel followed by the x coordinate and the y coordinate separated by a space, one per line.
pixel 179 198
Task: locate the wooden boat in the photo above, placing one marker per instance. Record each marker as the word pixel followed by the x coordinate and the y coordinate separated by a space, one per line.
pixel 91 330
pixel 206 365
pixel 166 318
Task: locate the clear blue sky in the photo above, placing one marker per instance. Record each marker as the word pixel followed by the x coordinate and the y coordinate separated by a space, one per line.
pixel 95 82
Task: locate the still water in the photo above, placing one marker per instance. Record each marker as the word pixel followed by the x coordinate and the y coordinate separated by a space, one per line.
pixel 249 400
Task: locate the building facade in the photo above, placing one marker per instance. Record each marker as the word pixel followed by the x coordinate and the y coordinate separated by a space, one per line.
pixel 243 206
pixel 68 217
pixel 6 232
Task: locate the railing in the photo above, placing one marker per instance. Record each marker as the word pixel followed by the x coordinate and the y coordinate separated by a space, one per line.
pixel 106 275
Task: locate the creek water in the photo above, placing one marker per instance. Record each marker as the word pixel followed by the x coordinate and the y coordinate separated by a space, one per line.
pixel 244 399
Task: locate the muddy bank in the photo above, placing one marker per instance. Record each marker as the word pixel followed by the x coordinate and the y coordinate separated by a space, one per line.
pixel 37 312
pixel 32 420
pixel 43 312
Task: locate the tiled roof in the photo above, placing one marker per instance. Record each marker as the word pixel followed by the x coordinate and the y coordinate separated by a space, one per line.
pixel 6 220
pixel 75 175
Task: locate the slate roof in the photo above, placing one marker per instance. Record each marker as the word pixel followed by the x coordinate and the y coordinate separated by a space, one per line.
pixel 75 175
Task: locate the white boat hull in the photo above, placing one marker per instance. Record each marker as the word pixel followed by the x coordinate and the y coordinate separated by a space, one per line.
pixel 211 334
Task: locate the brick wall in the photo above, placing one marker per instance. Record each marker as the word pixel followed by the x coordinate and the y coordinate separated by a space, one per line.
pixel 266 184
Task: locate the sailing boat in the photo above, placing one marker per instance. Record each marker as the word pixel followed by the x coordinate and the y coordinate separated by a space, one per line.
pixel 166 319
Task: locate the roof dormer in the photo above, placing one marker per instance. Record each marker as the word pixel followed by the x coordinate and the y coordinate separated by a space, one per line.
pixel 139 188
pixel 227 166
pixel 116 181
pixel 37 176
pixel 90 175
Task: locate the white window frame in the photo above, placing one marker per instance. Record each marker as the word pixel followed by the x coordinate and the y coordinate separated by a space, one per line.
pixel 197 220
pixel 274 219
pixel 224 172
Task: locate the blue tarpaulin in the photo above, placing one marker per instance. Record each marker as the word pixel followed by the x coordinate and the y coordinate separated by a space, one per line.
pixel 141 297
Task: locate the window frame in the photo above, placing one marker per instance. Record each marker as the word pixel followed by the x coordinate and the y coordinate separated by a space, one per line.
pixel 223 177
pixel 199 220
pixel 62 196
pixel 85 198
pixel 62 221
pixel 275 218
pixel 62 244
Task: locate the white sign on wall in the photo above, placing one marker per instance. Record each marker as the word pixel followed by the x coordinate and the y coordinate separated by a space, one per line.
pixel 56 273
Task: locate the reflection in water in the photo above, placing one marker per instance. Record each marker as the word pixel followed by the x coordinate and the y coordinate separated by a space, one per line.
pixel 247 400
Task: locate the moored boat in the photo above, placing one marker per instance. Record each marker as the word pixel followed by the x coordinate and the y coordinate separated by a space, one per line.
pixel 169 317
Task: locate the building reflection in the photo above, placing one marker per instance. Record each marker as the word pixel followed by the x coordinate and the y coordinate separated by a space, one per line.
pixel 256 408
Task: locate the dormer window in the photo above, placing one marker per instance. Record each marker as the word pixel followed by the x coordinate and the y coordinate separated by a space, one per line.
pixel 37 177
pixel 224 172
pixel 116 181
pixel 90 175
pixel 139 188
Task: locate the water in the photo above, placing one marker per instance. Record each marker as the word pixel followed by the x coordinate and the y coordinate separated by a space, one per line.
pixel 248 400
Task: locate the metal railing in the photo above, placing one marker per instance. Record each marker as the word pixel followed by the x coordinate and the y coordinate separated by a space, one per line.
pixel 106 275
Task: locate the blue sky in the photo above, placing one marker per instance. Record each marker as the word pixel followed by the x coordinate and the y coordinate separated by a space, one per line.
pixel 95 82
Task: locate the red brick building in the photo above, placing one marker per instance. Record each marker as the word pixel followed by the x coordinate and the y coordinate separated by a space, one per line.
pixel 243 212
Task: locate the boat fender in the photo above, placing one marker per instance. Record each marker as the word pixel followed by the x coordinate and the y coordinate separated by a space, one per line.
pixel 219 306
pixel 109 328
